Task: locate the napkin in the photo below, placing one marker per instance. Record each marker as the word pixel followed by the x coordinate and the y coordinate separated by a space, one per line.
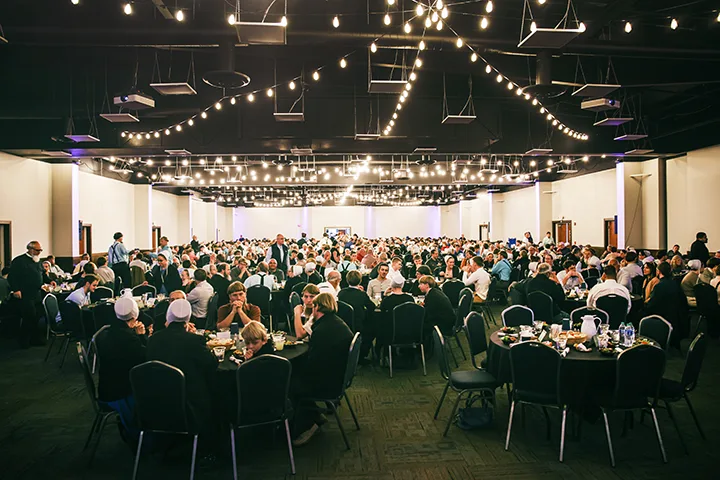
pixel 565 352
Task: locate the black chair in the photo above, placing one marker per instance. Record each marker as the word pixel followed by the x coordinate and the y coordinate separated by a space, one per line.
pixel 463 309
pixel 92 346
pixel 299 288
pixel 407 330
pixel 347 314
pixel 161 405
pixel 159 314
pixel 101 293
pixel 477 338
pixel 141 290
pixel 118 285
pixel 72 323
pixel 672 391
pixel 102 412
pixel 656 328
pixel 637 285
pixel 466 291
pixel 517 315
pixel 259 295
pixel 52 310
pixel 591 282
pixel 295 300
pixel 542 306
pixel 103 314
pixel 539 385
pixel 638 372
pixel 616 306
pixel 451 288
pixel 707 308
pixel 334 401
pixel 468 381
pixel 578 313
pixel 212 313
pixel 262 390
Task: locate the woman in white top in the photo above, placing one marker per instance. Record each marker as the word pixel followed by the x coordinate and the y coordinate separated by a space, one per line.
pixel 302 313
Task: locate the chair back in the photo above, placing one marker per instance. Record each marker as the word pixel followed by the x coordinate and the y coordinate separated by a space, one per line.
pixel 407 320
pixel 451 288
pixel 541 383
pixel 118 285
pixel 101 293
pixel 466 291
pixel 262 390
pixel 637 284
pixel 475 331
pixel 346 314
pixel 656 328
pixel 87 376
pixel 52 310
pixel 259 295
pixel 212 312
pixel 707 300
pixel 103 314
pixel 137 276
pixel 441 352
pixel 143 289
pixel 578 313
pixel 517 315
pixel 295 300
pixel 352 361
pixel 693 362
pixel 590 272
pixel 160 397
pixel 463 309
pixel 72 319
pixel 591 282
pixel 542 306
pixel 298 288
pixel 160 310
pixel 638 373
pixel 615 306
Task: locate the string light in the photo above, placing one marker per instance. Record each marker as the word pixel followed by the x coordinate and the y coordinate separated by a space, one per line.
pixel 233 101
pixel 408 28
pixel 419 10
pixel 428 22
pixel 336 22
pixel 316 75
pixel 434 17
pixel 191 122
pixel 75 2
pixel 421 46
pixel 391 2
pixel 179 16
pixel 127 9
pixel 489 6
pixel 674 24
pixel 541 2
pixel 628 27
pixel 231 19
pixel 499 78
pixel 439 4
pixel 251 98
pixel 386 20
pixel 582 27
pixel 373 47
pixel 445 13
pixel 459 43
pixel 284 21
pixel 218 106
pixel 533 26
pixel 292 85
pixel 269 92
pixel 488 68
pixel 343 63
pixel 484 23
pixel 418 63
pixel 439 25
pixel 203 115
pixel 178 128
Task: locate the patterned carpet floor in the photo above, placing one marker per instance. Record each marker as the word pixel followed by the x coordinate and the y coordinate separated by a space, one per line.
pixel 45 415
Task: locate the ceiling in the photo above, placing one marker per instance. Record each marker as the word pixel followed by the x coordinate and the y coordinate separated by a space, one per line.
pixel 64 63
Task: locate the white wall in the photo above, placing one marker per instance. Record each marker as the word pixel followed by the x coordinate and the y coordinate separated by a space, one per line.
pixel 165 214
pixel 25 199
pixel 519 213
pixel 109 206
pixel 203 220
pixel 473 213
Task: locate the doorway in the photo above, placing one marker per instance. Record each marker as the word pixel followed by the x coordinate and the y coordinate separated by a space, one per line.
pixel 484 232
pixel 610 232
pixel 563 231
pixel 86 239
pixel 5 244
pixel 156 234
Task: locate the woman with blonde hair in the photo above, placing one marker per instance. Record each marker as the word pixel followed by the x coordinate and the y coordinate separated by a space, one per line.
pixel 256 338
pixel 302 314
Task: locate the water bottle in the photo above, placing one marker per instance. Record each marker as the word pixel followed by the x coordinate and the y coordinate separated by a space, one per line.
pixel 621 331
pixel 629 335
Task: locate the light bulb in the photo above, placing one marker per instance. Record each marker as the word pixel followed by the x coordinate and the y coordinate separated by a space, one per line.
pixel 541 2
pixel 178 128
pixel 488 69
pixel 179 16
pixel 75 2
pixel 386 20
pixel 292 85
pixel 251 98
pixel 499 78
pixel 435 17
pixel 231 19
pixel 407 28
pixel 394 116
pixel 191 122
pixel 510 85
pixel 628 27
pixel 518 92
pixel 428 22
pixel 316 75
pixel 459 42
pixel 284 21
pixel 413 76
pixel 167 131
pixel 489 6
pixel 439 4
pixel 419 10
pixel 343 63
pixel 718 17
pixel 203 114
pixel 147 136
pixel 421 46
pixel 128 9
pixel 473 57
pixel 373 47
pixel 405 94
pixel 269 92
pixel 391 2
pixel 233 101
pixel 674 24
pixel 534 102
pixel 533 26
pixel 582 27
pixel 439 25
pixel 418 62
pixel 484 23
pixel 218 106
pixel 336 22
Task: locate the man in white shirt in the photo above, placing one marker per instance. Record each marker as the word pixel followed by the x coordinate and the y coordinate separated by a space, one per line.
pixel 395 268
pixel 55 268
pixel 332 285
pixel 629 271
pixel 84 259
pixel 262 277
pixel 199 297
pixel 378 286
pixel 81 296
pixel 608 286
pixel 474 274
pixel 103 272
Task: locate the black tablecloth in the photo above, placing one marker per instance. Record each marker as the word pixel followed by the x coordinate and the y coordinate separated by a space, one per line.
pixel 570 304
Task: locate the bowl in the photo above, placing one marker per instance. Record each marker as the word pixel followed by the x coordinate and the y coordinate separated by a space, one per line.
pixel 607 352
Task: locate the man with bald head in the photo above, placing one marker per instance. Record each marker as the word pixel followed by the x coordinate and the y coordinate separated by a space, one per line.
pixel 25 279
pixel 279 251
pixel 332 285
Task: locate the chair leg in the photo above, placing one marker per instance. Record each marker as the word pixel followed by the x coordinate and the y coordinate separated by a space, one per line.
pixel 94 362
pixel 442 398
pixel 422 356
pixel 452 354
pixel 289 442
pixel 547 423
pixel 100 428
pixel 452 414
pixel 677 429
pixel 562 433
pixel 457 340
pixel 194 456
pixel 52 340
pixel 233 453
pixel 137 455
pixel 67 344
pixel 92 430
pixel 510 420
pixel 609 439
pixel 340 426
pixel 692 412
pixel 659 436
pixel 352 412
pixel 390 358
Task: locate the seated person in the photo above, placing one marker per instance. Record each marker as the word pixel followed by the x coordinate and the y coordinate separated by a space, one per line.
pixel 255 336
pixel 105 273
pixel 238 310
pixel 392 299
pixel 608 286
pixel 378 286
pixel 570 278
pixel 275 271
pixel 81 296
pixel 690 280
pixel 476 276
pixel 363 309
pixel 545 281
pixel 413 286
pixel 48 276
pixel 332 285
pixel 311 276
pixel 650 279
pixel 302 314
pixel 87 269
pixel 85 258
pixel 165 276
pixel 449 270
pixel 199 297
pixel 438 309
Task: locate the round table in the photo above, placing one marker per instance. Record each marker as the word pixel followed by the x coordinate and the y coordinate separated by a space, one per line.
pixel 582 374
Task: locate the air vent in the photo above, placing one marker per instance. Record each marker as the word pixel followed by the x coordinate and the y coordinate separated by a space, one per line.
pixel 545 38
pixel 183 88
pixel 120 117
pixel 387 86
pixel 289 117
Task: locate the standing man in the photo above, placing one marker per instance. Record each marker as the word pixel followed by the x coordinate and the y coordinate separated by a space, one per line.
pixel 165 248
pixel 25 279
pixel 119 261
pixel 698 249
pixel 279 251
pixel 195 244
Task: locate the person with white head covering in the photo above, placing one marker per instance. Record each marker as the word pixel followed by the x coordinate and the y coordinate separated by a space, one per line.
pixel 311 275
pixel 393 297
pixel 690 280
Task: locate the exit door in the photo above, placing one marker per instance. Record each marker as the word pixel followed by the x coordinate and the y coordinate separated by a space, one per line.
pixel 563 231
pixel 610 232
pixel 5 244
pixel 86 239
pixel 155 237
pixel 484 231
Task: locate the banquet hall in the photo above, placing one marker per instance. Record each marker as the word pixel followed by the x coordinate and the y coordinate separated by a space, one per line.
pixel 379 239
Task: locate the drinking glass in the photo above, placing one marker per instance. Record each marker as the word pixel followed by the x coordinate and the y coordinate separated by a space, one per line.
pixel 604 328
pixel 219 353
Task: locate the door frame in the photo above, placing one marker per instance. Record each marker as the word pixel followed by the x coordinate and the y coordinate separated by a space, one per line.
pixel 605 230
pixel 8 244
pixel 156 236
pixel 88 240
pixel 558 223
pixel 480 231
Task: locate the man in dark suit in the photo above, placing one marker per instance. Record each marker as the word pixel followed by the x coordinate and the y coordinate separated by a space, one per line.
pixel 279 251
pixel 668 300
pixel 220 283
pixel 165 277
pixel 434 262
pixel 545 281
pixel 25 279
pixel 195 244
pixel 698 249
pixel 438 309
pixel 363 308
